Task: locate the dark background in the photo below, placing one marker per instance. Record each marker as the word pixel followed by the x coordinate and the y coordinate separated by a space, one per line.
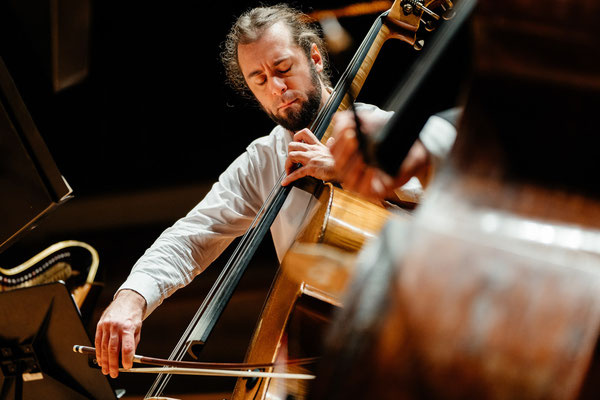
pixel 142 137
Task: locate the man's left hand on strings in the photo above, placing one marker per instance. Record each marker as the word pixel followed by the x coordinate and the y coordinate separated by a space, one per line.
pixel 314 158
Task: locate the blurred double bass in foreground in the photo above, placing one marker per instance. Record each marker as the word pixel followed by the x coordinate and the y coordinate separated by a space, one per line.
pixel 492 290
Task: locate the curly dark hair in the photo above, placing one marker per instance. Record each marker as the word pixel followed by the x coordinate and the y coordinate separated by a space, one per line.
pixel 251 25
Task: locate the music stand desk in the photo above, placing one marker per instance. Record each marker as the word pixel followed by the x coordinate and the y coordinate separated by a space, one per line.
pixel 38 327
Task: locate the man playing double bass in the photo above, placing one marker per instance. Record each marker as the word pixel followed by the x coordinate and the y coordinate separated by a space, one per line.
pixel 274 55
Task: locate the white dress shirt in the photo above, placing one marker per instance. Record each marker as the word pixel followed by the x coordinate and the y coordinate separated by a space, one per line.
pixel 185 249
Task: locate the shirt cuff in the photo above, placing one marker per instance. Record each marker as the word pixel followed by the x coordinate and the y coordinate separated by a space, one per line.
pixel 438 136
pixel 411 191
pixel 146 286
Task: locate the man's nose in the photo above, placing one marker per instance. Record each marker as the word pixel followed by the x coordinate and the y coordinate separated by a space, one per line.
pixel 278 86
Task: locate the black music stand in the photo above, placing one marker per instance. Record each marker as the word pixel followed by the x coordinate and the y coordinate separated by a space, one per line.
pixel 38 327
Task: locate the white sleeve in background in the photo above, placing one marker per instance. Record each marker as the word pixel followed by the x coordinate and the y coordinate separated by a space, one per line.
pixel 438 136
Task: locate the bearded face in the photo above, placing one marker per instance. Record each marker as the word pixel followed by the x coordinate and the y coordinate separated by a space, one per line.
pixel 295 119
pixel 283 78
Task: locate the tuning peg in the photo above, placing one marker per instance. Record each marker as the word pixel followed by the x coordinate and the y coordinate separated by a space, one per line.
pixel 430 25
pixel 428 11
pixel 449 12
pixel 411 6
pixel 418 45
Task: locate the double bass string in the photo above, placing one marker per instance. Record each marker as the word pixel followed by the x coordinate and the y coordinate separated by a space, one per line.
pixel 215 301
pixel 206 315
pixel 343 87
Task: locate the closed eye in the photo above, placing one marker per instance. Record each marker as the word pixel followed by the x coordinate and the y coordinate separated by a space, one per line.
pixel 284 65
pixel 260 80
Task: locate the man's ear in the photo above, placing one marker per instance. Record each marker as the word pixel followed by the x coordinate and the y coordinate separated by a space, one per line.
pixel 315 56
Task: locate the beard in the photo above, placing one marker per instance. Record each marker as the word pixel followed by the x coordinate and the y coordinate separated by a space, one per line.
pixel 300 119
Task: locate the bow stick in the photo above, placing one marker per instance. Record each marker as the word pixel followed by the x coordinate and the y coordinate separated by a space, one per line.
pixel 195 364
pixel 217 372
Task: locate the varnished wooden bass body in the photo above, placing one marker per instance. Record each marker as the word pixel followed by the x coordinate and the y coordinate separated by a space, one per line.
pixel 308 286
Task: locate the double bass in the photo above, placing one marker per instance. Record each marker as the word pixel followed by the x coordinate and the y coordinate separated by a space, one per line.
pixel 507 306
